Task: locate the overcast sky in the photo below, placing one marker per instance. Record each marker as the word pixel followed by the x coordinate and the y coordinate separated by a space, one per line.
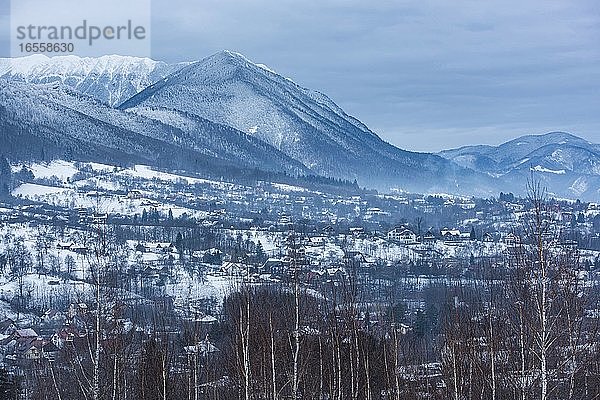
pixel 424 75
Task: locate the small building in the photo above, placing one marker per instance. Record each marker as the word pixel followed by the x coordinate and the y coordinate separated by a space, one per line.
pixel 160 247
pixel 429 236
pixel 273 266
pixel 328 230
pixel 317 241
pixel 357 231
pixel 488 238
pixel 64 245
pixel 26 333
pixel 134 194
pixel 450 234
pixel 50 351
pixel 402 235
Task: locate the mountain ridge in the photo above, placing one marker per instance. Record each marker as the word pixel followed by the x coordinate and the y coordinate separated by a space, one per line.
pixel 233 110
pixel 229 89
pixel 111 79
pixel 69 122
pixel 565 163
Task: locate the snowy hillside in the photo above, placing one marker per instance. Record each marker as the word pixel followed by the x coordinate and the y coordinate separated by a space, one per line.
pixel 53 121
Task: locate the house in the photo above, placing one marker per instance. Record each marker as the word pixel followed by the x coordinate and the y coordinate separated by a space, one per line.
pixel 235 269
pixel 140 248
pixel 450 234
pixel 213 256
pixel 134 194
pixel 160 247
pixel 29 349
pixel 328 230
pixel 50 351
pixel 429 237
pixel 273 266
pixel 64 245
pixel 67 335
pixel 454 235
pixel 402 235
pixel 79 249
pixel 53 316
pixel 317 241
pixel 487 238
pixel 511 239
pixel 71 246
pixel 203 348
pixel 336 273
pixel 357 231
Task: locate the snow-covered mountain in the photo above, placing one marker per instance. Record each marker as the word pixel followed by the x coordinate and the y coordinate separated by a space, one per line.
pixel 306 125
pixel 53 121
pixel 111 79
pixel 568 165
pixel 226 110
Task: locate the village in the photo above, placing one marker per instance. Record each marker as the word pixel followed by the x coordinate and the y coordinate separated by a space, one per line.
pixel 179 248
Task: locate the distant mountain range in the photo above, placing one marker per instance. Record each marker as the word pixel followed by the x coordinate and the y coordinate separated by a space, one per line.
pixel 228 112
pixel 566 164
pixel 111 79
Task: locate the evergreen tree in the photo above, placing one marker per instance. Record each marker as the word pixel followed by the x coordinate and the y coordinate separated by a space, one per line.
pixel 261 256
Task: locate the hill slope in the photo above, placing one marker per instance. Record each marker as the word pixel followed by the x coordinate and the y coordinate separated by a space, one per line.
pixel 53 121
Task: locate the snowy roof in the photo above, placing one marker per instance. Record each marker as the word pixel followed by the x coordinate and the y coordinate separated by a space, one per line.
pixel 27 333
pixel 208 319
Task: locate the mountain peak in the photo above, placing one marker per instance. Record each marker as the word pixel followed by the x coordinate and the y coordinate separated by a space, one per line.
pixel 550 138
pixel 561 136
pixel 232 59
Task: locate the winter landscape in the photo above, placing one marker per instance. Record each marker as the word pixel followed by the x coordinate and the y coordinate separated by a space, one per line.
pixel 213 230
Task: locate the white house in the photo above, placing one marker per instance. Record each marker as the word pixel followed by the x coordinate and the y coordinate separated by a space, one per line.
pixel 402 235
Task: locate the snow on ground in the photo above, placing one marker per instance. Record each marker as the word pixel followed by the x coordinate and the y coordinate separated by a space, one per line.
pixel 23 320
pixel 113 204
pixel 384 250
pixel 59 168
pixel 144 171
pixel 539 168
pixel 35 191
pixel 288 188
pixel 188 289
pixel 328 252
pixel 270 241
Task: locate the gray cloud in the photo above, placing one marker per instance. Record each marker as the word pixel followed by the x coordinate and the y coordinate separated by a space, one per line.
pixel 424 75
